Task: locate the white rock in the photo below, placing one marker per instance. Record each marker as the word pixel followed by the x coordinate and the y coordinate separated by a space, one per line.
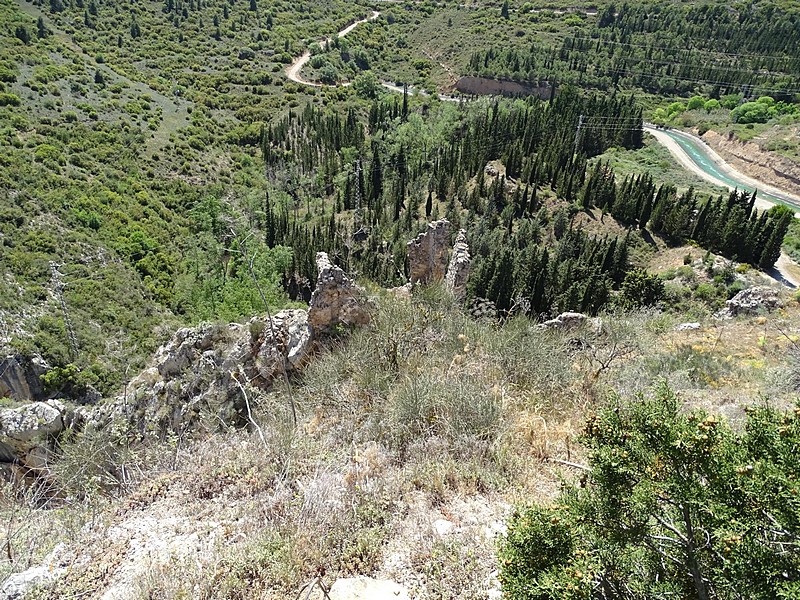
pixel 17 586
pixel 32 421
pixel 459 267
pixel 687 327
pixel 751 301
pixel 566 320
pixel 363 588
pixel 443 526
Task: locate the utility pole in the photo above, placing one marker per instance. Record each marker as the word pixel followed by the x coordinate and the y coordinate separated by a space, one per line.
pixel 58 285
pixel 578 133
pixel 357 216
pixel 358 183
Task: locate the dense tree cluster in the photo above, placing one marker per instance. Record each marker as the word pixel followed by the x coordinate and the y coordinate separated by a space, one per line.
pixel 360 191
pixel 388 177
pixel 672 48
pixel 730 226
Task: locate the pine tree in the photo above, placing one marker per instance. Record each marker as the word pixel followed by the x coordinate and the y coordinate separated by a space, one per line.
pixel 782 217
pixel 41 29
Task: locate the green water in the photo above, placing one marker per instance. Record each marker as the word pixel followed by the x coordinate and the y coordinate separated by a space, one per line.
pixel 698 155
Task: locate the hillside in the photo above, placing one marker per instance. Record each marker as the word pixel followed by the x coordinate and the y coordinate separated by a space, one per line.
pixel 415 437
pixel 198 401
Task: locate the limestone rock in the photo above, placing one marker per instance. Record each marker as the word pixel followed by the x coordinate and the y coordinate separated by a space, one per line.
pixel 283 346
pixel 20 377
pixel 32 421
pixel 26 432
pixel 202 370
pixel 442 527
pixel 428 253
pixel 199 379
pixel 564 321
pixel 17 586
pixel 336 299
pixel 363 588
pixel 459 267
pixel 751 301
pixel 688 327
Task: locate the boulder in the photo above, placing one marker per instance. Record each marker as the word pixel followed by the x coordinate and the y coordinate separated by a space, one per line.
pixel 688 327
pixel 26 432
pixel 20 377
pixel 459 267
pixel 565 321
pixel 336 299
pixel 481 308
pixel 18 585
pixel 750 302
pixel 428 253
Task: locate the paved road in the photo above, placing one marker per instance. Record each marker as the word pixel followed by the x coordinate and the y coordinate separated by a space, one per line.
pixel 696 156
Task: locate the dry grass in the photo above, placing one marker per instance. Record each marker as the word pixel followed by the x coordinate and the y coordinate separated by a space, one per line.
pixel 425 417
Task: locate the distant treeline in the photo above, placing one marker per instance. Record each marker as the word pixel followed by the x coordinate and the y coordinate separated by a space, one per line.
pixel 667 48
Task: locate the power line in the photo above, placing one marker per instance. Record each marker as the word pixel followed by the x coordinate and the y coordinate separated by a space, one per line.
pixel 672 48
pixel 58 285
pixel 631 73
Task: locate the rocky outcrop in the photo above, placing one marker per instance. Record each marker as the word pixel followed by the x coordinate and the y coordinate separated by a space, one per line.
pixel 751 301
pixel 459 267
pixel 200 378
pixel 336 299
pixel 20 378
pixel 428 253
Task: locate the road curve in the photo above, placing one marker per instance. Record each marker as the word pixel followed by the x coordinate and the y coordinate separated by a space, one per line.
pixel 699 158
pixel 293 70
pixel 696 156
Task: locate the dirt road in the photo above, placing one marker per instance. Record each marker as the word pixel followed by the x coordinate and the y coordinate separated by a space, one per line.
pixel 293 70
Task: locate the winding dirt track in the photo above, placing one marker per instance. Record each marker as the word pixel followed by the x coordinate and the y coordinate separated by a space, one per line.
pixel 786 271
pixel 293 70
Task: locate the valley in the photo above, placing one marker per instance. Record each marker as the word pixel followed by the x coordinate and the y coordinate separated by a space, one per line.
pixel 418 299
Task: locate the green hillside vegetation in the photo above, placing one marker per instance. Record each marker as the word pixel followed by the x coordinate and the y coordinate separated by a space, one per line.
pixel 158 169
pixel 134 188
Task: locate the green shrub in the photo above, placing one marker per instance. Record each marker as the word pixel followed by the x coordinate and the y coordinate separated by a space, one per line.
pixel 750 112
pixel 674 505
pixel 695 102
pixel 7 99
pixel 640 288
